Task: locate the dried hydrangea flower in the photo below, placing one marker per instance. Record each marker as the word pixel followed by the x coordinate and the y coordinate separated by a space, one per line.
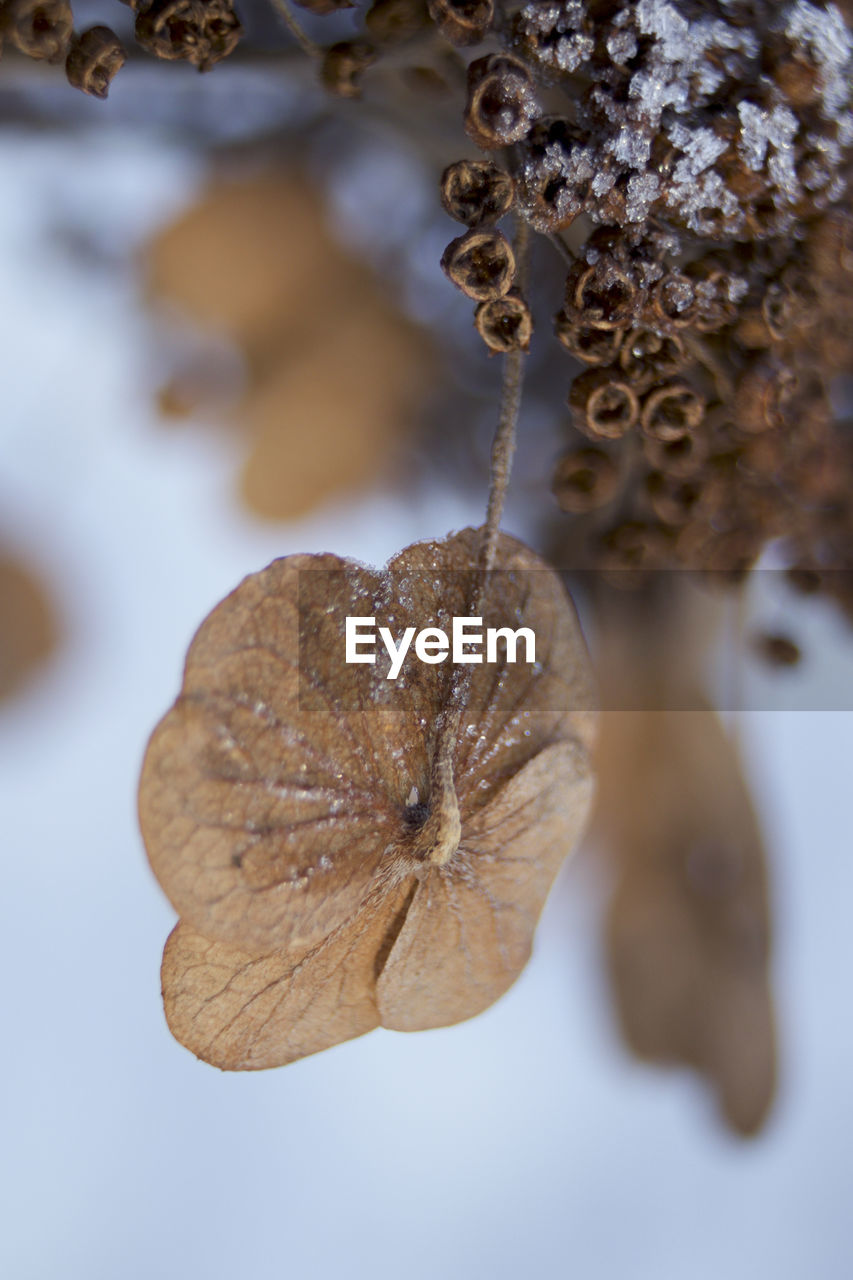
pixel 338 858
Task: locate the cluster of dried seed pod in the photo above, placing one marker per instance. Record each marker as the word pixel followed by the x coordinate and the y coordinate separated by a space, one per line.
pixel 732 122
pixel 481 262
pixel 720 367
pixel 201 32
pixel 44 30
pixel 699 429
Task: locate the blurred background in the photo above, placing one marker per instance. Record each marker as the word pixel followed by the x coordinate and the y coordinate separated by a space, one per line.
pixel 217 347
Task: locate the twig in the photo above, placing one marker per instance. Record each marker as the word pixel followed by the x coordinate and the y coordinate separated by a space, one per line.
pixel 562 248
pixel 503 445
pixel 305 42
pixel 503 448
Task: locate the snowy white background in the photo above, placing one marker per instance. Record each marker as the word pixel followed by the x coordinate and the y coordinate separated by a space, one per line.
pixel 523 1143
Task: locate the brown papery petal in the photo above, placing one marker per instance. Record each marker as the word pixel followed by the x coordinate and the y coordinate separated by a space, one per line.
pixel 245 1013
pixel 688 929
pixel 469 928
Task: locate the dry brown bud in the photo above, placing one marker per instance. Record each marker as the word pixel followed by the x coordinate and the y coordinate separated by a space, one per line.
pixel 587 342
pixel 603 405
pixel 476 192
pixel 94 59
pixel 776 650
pixel 481 264
pixel 683 456
pixel 763 394
pixel 201 32
pixel 673 501
pixel 645 354
pixel 41 29
pixel 344 64
pixel 716 289
pixel 671 411
pixel 629 549
pixel 585 480
pixel 551 193
pixel 673 300
pixel 462 22
pixel 501 102
pixel 603 294
pixel 505 324
pixel 804 579
pixel 393 22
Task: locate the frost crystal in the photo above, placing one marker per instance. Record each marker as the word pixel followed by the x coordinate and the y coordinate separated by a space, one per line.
pixel 642 192
pixel 553 34
pixel 824 34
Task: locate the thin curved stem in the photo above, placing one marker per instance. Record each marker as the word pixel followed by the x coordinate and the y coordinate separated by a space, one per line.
pixel 503 445
pixel 284 11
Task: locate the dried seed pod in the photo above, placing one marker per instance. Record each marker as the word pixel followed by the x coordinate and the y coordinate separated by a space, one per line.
pixel 764 455
pixel 603 405
pixel 672 500
pixel 630 549
pixel 784 307
pixel 462 22
pixel 585 480
pixel 94 59
pixel 501 103
pixel 719 292
pixel 344 63
pixel 671 411
pixel 644 354
pixel 683 456
pixel 830 245
pixel 764 394
pixel 804 579
pixel 776 650
pixel 481 264
pixel 476 192
pixel 602 293
pixel 555 170
pixel 348 851
pixel 393 22
pixel 505 324
pixel 751 330
pixel 201 32
pixel 41 29
pixel 587 342
pixel 673 301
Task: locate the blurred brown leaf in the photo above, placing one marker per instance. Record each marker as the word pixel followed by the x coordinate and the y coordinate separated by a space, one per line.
pixel 28 627
pixel 346 850
pixel 688 926
pixel 336 375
